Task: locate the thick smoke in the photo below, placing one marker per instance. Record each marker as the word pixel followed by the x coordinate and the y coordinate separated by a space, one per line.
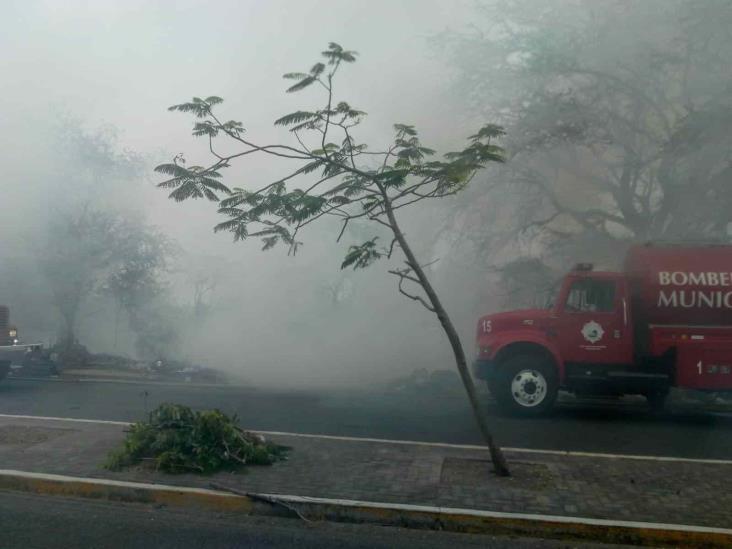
pixel 86 88
pixel 89 86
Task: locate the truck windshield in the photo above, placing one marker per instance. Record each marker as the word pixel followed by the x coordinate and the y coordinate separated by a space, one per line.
pixel 591 295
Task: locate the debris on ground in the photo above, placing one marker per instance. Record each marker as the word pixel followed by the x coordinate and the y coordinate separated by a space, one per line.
pixel 429 382
pixel 183 371
pixel 79 361
pixel 177 439
pixel 706 400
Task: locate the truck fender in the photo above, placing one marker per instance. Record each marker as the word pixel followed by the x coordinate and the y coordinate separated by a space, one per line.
pixel 529 343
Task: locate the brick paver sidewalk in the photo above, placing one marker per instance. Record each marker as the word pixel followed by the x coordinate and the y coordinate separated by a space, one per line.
pixel 678 492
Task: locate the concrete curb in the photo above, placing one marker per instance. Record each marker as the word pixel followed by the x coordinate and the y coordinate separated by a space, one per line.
pixel 387 514
pixel 514 524
pixel 129 381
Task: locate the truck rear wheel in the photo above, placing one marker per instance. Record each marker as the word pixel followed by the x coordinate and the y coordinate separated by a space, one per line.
pixel 526 385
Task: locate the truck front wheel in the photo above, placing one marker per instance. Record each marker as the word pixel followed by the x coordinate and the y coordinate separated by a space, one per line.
pixel 525 385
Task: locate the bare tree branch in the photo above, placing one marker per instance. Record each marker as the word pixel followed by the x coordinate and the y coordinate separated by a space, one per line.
pixel 402 277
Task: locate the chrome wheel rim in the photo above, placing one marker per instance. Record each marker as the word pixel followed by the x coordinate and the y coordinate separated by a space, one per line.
pixel 528 388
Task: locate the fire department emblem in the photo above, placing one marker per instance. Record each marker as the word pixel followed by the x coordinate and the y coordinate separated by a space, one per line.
pixel 592 331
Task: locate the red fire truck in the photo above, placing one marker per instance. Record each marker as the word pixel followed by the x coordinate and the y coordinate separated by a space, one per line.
pixel 664 321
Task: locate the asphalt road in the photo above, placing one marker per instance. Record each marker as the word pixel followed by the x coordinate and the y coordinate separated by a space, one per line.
pixel 419 415
pixel 30 521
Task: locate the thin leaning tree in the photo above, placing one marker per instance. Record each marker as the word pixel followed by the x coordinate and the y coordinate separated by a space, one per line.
pixel 342 178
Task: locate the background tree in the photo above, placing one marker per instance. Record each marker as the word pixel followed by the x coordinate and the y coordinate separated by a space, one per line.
pixel 91 252
pixel 157 327
pixel 203 288
pixel 619 117
pixel 523 283
pixel 344 179
pixel 141 256
pixel 76 259
pixel 201 274
pixel 338 290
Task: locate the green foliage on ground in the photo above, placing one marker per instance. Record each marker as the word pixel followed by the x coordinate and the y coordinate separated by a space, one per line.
pixel 177 439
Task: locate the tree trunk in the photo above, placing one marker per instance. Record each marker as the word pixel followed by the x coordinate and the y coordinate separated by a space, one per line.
pixel 116 326
pixel 497 457
pixel 68 335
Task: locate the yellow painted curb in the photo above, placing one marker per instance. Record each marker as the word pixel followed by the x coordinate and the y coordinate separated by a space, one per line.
pixel 498 523
pixel 102 489
pixel 410 516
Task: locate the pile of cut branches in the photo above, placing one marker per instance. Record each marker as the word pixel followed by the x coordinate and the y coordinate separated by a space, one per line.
pixel 177 439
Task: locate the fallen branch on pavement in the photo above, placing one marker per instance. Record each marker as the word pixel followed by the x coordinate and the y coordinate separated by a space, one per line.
pixel 272 500
pixel 178 439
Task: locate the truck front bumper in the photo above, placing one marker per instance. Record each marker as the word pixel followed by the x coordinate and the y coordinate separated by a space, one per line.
pixel 483 368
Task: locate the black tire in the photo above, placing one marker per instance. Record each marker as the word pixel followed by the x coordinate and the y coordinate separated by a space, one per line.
pixel 536 380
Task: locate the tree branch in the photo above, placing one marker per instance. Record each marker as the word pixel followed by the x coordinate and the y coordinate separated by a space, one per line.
pixel 402 277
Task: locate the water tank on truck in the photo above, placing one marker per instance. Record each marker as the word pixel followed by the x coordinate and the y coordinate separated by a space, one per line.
pixel 664 321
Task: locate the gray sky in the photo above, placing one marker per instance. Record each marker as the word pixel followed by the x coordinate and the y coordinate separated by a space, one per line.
pixel 124 62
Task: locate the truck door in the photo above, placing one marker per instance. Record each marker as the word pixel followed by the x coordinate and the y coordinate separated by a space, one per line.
pixel 593 321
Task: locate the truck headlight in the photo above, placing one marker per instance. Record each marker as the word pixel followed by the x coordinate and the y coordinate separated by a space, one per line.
pixel 482 350
pixel 13 333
